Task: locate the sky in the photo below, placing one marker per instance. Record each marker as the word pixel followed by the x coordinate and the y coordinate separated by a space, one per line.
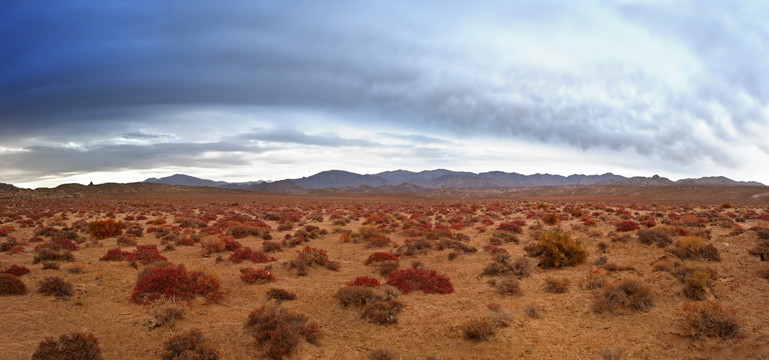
pixel 120 91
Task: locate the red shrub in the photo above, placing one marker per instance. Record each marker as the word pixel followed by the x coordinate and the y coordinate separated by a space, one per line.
pixel 494 249
pixel 115 255
pixel 550 218
pixel 62 243
pixel 11 285
pixel 627 225
pixel 16 270
pixel 105 228
pixel 511 227
pixel 206 285
pixel 210 231
pixel 251 275
pixel 650 223
pixel 363 281
pixel 146 254
pixel 429 281
pixel 15 249
pixel 246 253
pixel 588 222
pixel 380 256
pixel 174 282
pixel 231 244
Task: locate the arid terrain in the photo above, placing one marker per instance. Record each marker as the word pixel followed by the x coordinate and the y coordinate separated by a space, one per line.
pixel 681 249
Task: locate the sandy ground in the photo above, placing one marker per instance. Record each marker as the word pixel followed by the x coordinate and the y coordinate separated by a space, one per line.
pixel 430 325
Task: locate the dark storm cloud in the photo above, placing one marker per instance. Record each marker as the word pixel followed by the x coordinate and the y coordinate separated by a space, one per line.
pixel 35 161
pixel 676 82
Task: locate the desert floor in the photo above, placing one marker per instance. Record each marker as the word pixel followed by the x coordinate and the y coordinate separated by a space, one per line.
pixel 430 325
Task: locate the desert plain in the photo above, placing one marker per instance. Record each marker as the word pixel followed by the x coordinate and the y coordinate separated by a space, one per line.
pixel 503 300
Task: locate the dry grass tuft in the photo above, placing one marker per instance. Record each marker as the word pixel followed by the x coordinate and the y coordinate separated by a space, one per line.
pixel 624 294
pixel 709 319
pixel 556 285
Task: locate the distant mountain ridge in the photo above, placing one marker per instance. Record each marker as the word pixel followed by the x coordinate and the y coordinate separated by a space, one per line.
pixel 186 180
pixel 441 179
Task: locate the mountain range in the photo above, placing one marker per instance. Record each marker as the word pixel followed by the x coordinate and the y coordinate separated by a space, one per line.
pixel 429 180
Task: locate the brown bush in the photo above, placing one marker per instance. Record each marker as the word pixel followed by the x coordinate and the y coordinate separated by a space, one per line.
pixel 556 285
pixel 694 247
pixel 502 264
pixel 189 345
pixel 55 286
pixel 11 285
pixel 382 312
pixel 533 311
pixel 278 331
pixel 611 353
pixel 75 346
pixel 478 330
pixel 280 294
pixel 167 311
pixel 213 245
pixel 378 303
pixel 134 229
pixel 502 237
pixel 625 294
pixel 47 254
pixel 359 295
pixel 761 249
pixel 387 267
pixel 414 247
pixel 616 267
pixel 381 354
pixel 506 286
pixel 709 319
pixel 557 249
pixel 271 246
pixel 126 240
pixel 697 284
pixel 658 237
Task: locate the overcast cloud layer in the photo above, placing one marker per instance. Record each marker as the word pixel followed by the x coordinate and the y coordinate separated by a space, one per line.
pixel 113 91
